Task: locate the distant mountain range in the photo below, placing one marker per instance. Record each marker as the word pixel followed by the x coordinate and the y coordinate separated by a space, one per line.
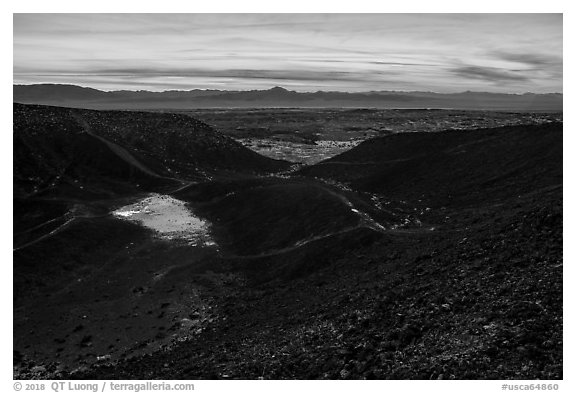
pixel 83 97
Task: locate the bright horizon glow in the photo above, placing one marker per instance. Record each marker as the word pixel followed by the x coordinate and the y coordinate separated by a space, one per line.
pixel 444 53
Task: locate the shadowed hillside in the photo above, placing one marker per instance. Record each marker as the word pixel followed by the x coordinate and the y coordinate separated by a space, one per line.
pixel 452 167
pixel 56 146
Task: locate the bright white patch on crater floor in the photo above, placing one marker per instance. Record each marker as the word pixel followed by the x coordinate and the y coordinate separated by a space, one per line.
pixel 169 218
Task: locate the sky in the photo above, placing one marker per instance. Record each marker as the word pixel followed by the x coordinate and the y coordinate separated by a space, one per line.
pixel 445 53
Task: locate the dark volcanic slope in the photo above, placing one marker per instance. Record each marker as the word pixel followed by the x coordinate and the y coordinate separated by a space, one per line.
pixel 54 145
pixel 452 166
pixel 53 152
pixel 440 258
pixel 183 146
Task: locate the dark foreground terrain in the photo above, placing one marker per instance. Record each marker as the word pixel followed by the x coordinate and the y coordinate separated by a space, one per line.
pixel 411 256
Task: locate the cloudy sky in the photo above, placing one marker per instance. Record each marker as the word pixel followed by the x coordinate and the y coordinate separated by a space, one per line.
pixel 512 53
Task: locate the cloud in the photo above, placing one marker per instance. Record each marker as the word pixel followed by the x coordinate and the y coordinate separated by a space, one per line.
pixel 530 59
pixel 283 74
pixel 400 63
pixel 440 52
pixel 490 74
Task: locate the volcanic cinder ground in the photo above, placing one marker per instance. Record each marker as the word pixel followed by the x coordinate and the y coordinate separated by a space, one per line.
pixel 426 245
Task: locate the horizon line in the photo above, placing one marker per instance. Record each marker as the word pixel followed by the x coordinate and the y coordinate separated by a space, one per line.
pixel 283 88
